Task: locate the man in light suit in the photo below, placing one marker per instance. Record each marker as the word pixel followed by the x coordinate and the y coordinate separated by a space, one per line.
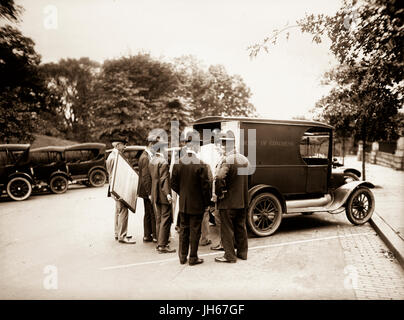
pixel 190 179
pixel 121 211
pixel 161 195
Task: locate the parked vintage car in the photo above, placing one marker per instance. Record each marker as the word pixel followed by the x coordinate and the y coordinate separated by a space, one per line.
pixel 48 168
pixel 293 171
pixel 86 163
pixel 15 173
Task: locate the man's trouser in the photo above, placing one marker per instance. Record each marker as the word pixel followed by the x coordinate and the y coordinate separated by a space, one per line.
pixel 218 226
pixel 121 220
pixel 205 228
pixel 149 220
pixel 234 233
pixel 163 223
pixel 190 233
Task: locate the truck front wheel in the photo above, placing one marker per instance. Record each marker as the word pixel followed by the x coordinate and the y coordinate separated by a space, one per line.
pixel 360 206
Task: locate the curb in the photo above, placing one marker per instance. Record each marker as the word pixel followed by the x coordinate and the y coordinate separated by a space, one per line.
pixel 389 236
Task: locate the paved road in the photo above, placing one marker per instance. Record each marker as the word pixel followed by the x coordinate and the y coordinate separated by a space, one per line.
pixel 321 256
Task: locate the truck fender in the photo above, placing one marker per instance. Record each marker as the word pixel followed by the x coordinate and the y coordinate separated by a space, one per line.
pixel 354 171
pixel 261 188
pixel 342 194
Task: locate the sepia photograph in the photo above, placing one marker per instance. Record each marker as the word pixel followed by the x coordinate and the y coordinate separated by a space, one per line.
pixel 202 155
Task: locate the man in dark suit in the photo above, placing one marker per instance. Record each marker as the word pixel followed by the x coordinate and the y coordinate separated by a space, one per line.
pixel 161 195
pixel 144 191
pixel 232 192
pixel 190 179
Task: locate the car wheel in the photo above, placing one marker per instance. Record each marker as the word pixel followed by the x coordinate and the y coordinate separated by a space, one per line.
pixel 264 214
pixel 350 176
pixel 360 206
pixel 19 188
pixel 58 184
pixel 97 178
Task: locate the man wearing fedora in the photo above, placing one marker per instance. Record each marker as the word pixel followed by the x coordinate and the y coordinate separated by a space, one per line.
pixel 232 193
pixel 121 211
pixel 161 193
pixel 190 179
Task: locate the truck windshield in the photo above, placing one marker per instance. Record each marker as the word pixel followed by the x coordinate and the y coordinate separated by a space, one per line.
pixel 314 145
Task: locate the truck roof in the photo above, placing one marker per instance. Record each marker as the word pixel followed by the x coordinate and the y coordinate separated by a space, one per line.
pixel 212 119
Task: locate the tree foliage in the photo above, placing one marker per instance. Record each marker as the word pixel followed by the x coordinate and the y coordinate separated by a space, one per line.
pixel 212 91
pixel 138 93
pixel 22 90
pixel 131 96
pixel 9 10
pixel 71 81
pixel 367 40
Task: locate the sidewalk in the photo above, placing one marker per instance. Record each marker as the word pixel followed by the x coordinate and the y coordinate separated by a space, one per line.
pixel 388 219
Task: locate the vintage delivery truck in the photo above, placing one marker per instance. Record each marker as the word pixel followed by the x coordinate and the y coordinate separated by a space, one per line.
pixel 294 173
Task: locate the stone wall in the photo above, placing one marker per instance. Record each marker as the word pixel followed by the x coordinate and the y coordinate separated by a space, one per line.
pixel 395 161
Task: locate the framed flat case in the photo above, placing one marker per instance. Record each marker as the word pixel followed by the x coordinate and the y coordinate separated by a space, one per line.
pixel 124 182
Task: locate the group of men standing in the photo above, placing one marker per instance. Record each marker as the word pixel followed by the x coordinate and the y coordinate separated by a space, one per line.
pixel 199 190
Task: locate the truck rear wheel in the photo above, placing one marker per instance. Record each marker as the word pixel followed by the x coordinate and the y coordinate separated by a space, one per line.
pixel 19 188
pixel 264 214
pixel 360 206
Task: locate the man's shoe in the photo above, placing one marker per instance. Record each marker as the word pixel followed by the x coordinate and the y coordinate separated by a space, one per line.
pixel 183 261
pixel 223 259
pixel 218 247
pixel 127 241
pixel 195 261
pixel 241 257
pixel 165 249
pixel 154 240
pixel 147 239
pixel 128 237
pixel 206 243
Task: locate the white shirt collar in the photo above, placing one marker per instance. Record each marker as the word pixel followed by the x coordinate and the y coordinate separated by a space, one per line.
pixel 148 152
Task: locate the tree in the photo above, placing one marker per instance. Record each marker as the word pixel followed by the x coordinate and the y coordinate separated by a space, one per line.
pixel 132 96
pixel 212 91
pixel 71 81
pixel 9 10
pixel 367 40
pixel 22 90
